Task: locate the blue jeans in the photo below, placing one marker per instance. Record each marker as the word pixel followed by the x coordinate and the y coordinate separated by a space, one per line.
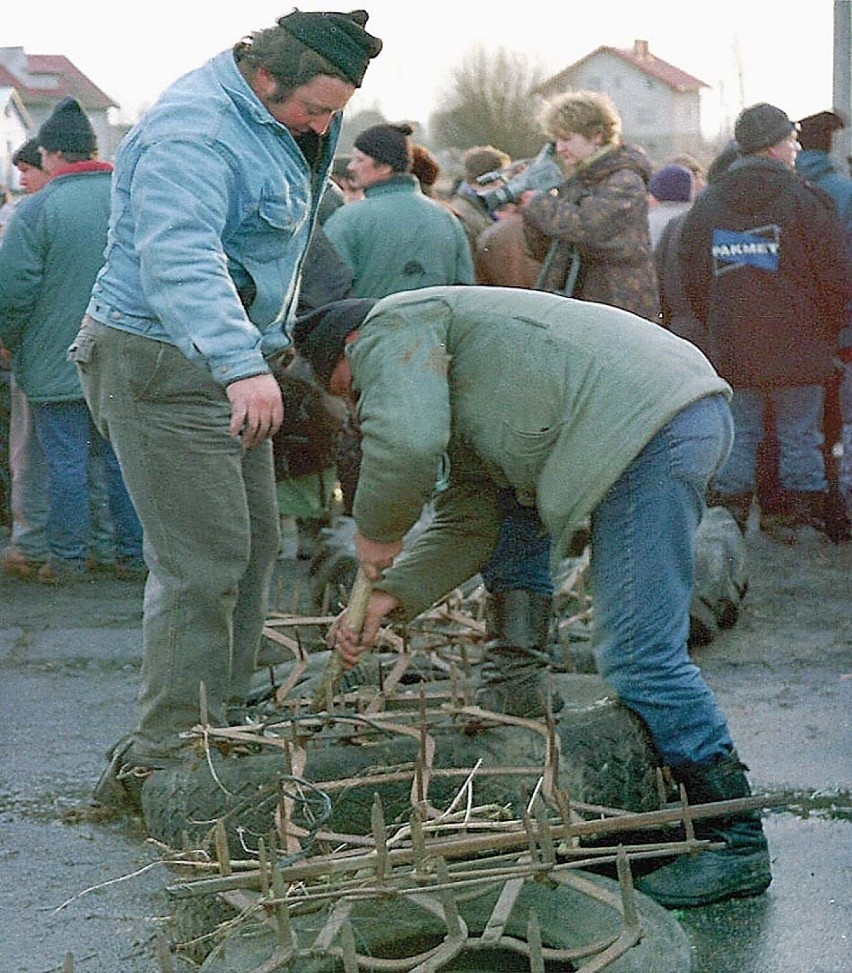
pixel 521 559
pixel 30 504
pixel 844 473
pixel 67 435
pixel 641 573
pixel 798 426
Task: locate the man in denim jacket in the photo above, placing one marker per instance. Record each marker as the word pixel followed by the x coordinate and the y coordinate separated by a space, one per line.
pixel 214 197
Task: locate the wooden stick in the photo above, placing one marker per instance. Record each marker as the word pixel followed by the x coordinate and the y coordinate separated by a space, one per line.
pixel 359 598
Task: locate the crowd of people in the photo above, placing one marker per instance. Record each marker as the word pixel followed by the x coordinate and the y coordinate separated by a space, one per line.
pixel 579 338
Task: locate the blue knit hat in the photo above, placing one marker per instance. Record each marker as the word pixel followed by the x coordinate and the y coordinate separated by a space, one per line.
pixel 672 183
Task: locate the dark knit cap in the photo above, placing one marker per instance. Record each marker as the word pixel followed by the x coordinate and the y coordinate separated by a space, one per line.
pixel 388 144
pixel 28 153
pixel 672 183
pixel 320 336
pixel 761 126
pixel 339 37
pixel 68 129
pixel 815 131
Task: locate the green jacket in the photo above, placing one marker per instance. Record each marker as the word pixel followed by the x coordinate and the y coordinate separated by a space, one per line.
pixel 397 239
pixel 488 388
pixel 50 255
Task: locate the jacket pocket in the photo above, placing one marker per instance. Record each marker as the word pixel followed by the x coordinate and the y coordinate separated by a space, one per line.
pixel 525 453
pixel 82 349
pixel 266 232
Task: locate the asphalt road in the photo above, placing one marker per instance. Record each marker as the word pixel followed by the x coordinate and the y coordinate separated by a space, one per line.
pixel 69 663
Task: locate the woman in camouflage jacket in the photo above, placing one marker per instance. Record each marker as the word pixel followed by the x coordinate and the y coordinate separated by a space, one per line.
pixel 592 232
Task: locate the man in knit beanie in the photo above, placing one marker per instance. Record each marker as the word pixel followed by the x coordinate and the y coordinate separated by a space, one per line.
pixel 396 238
pixel 215 197
pixel 68 132
pixel 768 279
pixel 51 254
pixel 816 163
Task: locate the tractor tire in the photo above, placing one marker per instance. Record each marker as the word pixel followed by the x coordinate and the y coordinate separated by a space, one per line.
pixel 606 759
pixel 394 927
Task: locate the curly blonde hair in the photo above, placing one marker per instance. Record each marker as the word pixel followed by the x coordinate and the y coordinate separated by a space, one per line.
pixel 586 113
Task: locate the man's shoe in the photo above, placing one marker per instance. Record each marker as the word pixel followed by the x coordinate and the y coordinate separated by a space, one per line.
pixel 57 572
pixel 738 870
pixel 15 563
pixel 119 788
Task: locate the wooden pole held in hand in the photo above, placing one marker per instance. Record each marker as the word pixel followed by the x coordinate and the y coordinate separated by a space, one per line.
pixel 356 612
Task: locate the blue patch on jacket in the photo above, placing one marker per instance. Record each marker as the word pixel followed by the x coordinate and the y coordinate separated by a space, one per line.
pixel 759 248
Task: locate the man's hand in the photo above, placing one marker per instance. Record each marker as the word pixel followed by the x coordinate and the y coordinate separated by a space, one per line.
pixel 256 409
pixel 375 556
pixel 351 645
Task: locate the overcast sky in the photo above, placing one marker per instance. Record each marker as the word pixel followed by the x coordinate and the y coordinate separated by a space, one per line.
pixel 766 50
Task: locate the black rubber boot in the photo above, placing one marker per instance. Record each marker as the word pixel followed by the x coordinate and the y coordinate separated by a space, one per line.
pixel 516 676
pixel 738 870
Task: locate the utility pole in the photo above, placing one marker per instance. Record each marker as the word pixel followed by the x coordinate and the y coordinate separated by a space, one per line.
pixel 842 81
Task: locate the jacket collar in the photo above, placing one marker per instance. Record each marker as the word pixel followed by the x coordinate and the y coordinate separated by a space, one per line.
pixel 89 165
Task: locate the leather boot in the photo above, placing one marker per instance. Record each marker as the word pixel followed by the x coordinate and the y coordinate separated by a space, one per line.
pixel 738 870
pixel 739 505
pixel 515 676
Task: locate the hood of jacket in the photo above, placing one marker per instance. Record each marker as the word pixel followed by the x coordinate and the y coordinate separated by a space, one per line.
pixel 752 184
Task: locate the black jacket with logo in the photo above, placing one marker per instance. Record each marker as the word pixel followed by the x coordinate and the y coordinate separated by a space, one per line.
pixel 766 274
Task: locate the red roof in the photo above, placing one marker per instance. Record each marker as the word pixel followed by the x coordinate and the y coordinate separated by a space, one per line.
pixel 639 57
pixel 69 81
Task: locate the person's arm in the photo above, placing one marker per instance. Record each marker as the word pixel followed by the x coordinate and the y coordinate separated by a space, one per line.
pixel 181 195
pixel 465 273
pixel 180 212
pixel 400 370
pixel 454 547
pixel 602 219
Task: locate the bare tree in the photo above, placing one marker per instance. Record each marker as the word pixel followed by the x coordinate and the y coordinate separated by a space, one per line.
pixel 490 102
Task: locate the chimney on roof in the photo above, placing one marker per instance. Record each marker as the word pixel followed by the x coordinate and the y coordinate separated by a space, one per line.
pixel 640 49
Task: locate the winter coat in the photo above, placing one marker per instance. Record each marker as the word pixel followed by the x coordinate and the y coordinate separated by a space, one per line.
pixel 50 254
pixel 490 388
pixel 602 211
pixel 397 239
pixel 502 258
pixel 766 274
pixel 212 208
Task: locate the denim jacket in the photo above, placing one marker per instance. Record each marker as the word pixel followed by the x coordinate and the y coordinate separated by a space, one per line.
pixel 212 208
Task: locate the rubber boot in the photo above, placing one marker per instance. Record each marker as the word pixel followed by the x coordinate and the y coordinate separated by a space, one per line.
pixel 739 505
pixel 738 870
pixel 515 676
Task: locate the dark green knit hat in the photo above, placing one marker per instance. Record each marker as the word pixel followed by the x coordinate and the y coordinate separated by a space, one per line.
pixel 339 37
pixel 68 129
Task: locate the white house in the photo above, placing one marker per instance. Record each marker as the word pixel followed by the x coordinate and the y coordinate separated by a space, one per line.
pixel 15 125
pixel 43 80
pixel 659 104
